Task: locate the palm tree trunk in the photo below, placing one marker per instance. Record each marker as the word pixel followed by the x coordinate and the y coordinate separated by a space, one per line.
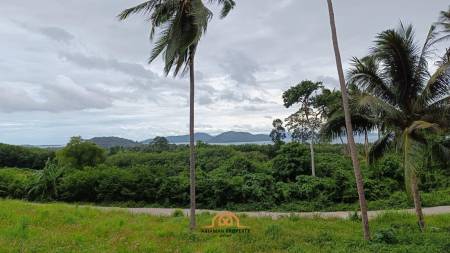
pixel 313 164
pixel 417 202
pixel 366 145
pixel 192 223
pixel 348 124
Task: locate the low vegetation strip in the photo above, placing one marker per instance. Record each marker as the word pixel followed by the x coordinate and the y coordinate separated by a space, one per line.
pixel 236 178
pixel 26 227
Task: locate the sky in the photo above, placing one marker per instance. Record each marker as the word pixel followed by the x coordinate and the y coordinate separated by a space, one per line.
pixel 70 68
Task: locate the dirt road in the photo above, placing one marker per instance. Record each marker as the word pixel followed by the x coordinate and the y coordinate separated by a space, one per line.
pixel 275 215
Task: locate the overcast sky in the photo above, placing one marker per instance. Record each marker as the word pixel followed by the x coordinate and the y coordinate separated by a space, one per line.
pixel 70 68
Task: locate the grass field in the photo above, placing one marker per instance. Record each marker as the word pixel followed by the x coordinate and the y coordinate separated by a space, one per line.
pixel 26 227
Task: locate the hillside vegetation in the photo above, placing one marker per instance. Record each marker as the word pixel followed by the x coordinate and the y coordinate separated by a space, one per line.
pixel 245 177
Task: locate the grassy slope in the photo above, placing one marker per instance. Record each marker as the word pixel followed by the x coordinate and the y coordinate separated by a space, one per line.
pixel 26 227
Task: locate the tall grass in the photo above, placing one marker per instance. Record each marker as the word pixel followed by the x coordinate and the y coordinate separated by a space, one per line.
pixel 27 227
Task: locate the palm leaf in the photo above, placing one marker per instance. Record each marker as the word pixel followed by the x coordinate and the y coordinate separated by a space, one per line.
pixel 143 8
pixel 379 147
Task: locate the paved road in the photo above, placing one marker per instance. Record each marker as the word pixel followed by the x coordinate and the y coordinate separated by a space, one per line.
pixel 275 215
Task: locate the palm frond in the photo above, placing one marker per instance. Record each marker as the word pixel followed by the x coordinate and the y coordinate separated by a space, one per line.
pixel 365 74
pixel 143 8
pixel 179 26
pixel 398 54
pixel 421 125
pixel 335 126
pixel 444 26
pixel 438 86
pixel 227 6
pixel 379 147
pixel 413 158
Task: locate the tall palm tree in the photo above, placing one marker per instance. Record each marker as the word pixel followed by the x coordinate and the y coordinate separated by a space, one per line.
pixel 181 24
pixel 348 124
pixel 414 103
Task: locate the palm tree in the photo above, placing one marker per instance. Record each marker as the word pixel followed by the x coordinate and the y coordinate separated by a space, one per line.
pixel 348 124
pixel 364 120
pixel 181 24
pixel 396 82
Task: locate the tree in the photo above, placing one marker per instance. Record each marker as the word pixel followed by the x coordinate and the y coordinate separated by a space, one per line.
pixel 278 133
pixel 306 121
pixel 348 124
pixel 415 104
pixel 181 24
pixel 79 153
pixel 160 143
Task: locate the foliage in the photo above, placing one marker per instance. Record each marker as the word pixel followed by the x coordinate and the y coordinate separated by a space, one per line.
pixel 45 183
pixel 292 160
pixel 244 177
pixel 306 121
pixel 278 133
pixel 24 157
pixel 14 183
pixel 78 153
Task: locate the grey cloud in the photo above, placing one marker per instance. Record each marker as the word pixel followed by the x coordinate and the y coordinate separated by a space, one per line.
pixel 94 62
pixel 52 32
pixel 240 67
pixel 329 82
pixel 57 34
pixel 233 96
pixel 63 95
pixel 204 100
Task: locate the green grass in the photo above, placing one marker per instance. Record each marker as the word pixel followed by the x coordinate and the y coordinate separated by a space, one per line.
pixel 27 227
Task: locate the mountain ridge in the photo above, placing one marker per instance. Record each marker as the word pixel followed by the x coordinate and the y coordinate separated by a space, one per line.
pixel 225 137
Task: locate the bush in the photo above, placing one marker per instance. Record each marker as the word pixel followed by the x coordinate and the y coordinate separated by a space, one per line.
pixel 385 236
pixel 292 160
pixel 14 183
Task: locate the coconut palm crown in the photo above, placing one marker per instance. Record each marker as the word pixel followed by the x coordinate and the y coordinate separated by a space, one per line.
pixel 178 25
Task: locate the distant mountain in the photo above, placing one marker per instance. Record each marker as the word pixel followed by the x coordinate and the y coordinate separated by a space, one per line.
pixel 227 137
pixel 109 142
pixel 184 138
pixel 232 136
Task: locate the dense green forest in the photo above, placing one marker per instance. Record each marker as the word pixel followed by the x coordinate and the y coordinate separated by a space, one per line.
pixel 241 177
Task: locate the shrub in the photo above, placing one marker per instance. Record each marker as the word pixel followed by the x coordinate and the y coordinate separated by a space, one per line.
pixel 385 236
pixel 292 160
pixel 14 183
